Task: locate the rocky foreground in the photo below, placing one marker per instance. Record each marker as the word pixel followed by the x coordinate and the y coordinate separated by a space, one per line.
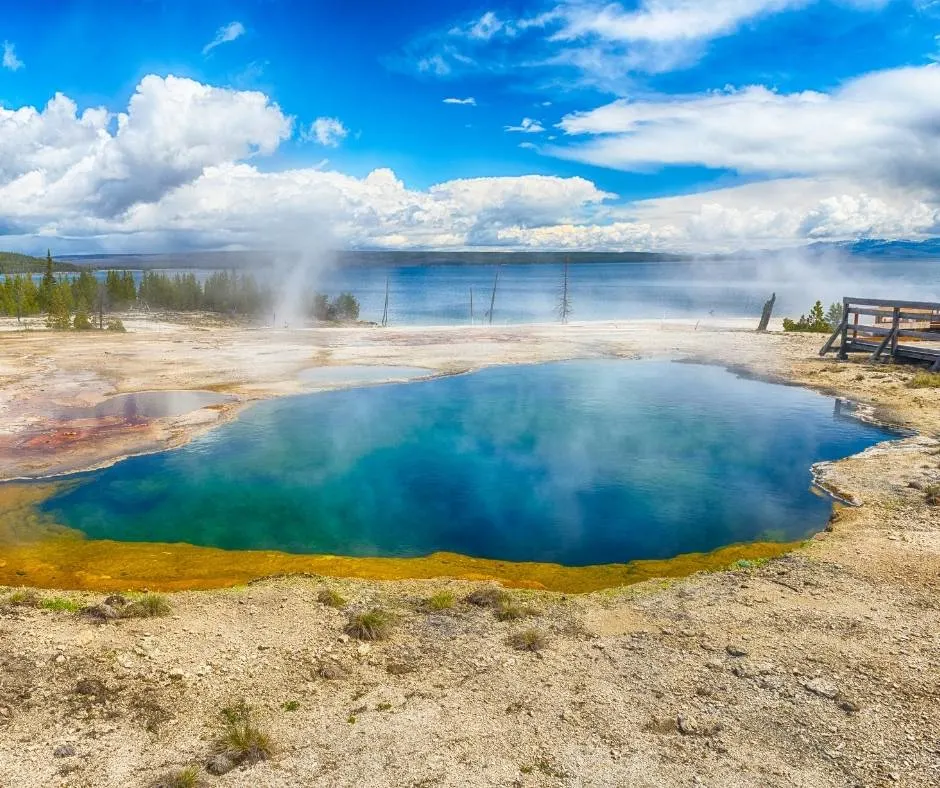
pixel 818 668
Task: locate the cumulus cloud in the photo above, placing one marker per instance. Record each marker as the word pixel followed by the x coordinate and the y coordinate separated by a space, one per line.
pixel 528 126
pixel 179 169
pixel 58 159
pixel 10 60
pixel 880 126
pixel 469 101
pixel 224 35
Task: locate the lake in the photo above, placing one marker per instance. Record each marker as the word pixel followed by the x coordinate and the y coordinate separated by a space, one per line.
pixel 579 462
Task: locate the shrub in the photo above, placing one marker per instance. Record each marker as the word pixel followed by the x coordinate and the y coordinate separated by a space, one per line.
pixel 487 596
pixel 442 600
pixel 60 605
pixel 375 624
pixel 185 778
pixel 528 640
pixel 115 324
pixel 925 380
pixel 330 598
pixel 147 606
pixel 243 741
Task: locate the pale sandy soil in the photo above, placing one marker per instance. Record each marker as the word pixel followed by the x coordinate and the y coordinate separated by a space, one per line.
pixel 837 680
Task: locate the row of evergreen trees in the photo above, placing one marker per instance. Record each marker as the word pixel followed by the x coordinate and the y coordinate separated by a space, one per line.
pixel 77 301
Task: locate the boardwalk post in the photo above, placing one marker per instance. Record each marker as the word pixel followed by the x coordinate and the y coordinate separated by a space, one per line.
pixel 843 354
pixel 493 297
pixel 385 311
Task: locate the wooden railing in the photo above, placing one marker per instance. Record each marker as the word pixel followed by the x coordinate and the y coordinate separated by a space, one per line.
pixel 887 339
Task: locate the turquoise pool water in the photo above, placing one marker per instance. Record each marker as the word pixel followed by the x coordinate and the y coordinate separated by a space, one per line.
pixel 578 462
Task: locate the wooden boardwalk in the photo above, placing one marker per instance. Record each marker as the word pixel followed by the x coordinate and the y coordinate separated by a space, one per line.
pixel 888 329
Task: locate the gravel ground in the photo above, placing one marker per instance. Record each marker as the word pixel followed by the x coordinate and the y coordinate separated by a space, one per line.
pixel 818 668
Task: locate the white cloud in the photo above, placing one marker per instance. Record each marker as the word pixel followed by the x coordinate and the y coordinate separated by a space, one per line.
pixel 326 131
pixel 224 35
pixel 883 126
pixel 10 60
pixel 178 169
pixel 469 101
pixel 599 42
pixel 173 129
pixel 528 126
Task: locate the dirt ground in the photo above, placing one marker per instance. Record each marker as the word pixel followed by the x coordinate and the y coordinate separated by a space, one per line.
pixel 817 668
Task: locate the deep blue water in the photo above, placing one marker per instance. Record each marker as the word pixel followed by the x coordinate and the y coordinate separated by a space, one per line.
pixel 578 462
pixel 440 294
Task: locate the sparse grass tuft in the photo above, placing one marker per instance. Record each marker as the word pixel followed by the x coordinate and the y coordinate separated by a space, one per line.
pixel 509 610
pixel 375 624
pixel 925 380
pixel 291 705
pixel 932 491
pixel 242 740
pixel 185 778
pixel 60 604
pixel 442 600
pixel 487 596
pixel 24 598
pixel 749 563
pixel 330 598
pixel 147 606
pixel 528 640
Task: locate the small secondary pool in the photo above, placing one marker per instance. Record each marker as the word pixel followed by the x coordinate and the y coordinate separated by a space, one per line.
pixel 142 405
pixel 580 462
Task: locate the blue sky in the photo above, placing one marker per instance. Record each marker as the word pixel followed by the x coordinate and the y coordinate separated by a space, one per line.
pixel 664 108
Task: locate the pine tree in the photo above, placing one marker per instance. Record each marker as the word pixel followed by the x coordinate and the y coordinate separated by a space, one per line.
pixel 47 285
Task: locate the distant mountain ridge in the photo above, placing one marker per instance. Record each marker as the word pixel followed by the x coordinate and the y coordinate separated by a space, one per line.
pixel 15 263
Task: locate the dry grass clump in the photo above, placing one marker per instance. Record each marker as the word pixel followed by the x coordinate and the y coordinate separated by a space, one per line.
pixel 185 778
pixel 925 380
pixel 509 610
pixel 487 596
pixel 932 491
pixel 528 640
pixel 147 606
pixel 242 740
pixel 331 598
pixel 23 598
pixel 442 600
pixel 374 624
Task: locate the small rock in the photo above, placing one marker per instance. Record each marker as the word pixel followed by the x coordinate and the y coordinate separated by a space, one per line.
pixel 400 668
pixel 849 707
pixel 715 664
pixel 662 725
pixel 176 674
pixel 64 751
pixel 59 659
pixel 343 638
pixel 102 612
pixel 92 687
pixel 687 725
pixel 823 688
pixel 330 671
pixel 219 764
pixel 363 648
pixel 735 650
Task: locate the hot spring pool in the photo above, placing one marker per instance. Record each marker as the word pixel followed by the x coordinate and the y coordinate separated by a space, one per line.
pixel 580 462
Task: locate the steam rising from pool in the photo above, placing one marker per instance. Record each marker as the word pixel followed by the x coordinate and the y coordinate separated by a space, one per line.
pixel 579 463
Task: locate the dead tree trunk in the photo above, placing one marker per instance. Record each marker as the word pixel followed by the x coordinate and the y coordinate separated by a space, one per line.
pixel 765 315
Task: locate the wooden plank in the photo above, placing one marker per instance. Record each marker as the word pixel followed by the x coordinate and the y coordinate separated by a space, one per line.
pixel 884 343
pixel 932 305
pixel 855 310
pixel 829 342
pixel 930 336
